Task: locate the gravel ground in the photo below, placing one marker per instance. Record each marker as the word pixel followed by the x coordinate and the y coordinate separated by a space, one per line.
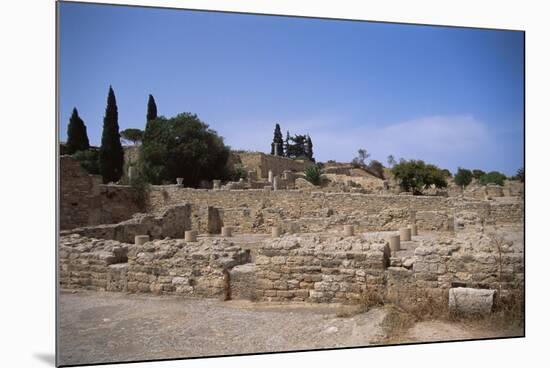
pixel 100 327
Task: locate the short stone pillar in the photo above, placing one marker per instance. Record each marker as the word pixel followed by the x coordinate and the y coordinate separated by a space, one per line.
pixel 412 216
pixel 131 173
pixel 267 188
pixel 414 230
pixel 275 231
pixel 141 239
pixel 349 230
pixel 275 183
pixel 405 234
pixel 395 243
pixel 191 236
pixel 226 231
pixel 216 184
pixel 179 181
pixel 270 176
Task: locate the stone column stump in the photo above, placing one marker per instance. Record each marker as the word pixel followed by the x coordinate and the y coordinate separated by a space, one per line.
pixel 349 230
pixel 226 231
pixel 191 236
pixel 414 230
pixel 275 231
pixel 395 243
pixel 141 239
pixel 405 234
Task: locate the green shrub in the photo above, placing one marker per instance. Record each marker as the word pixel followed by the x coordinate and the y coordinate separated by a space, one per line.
pixel 493 177
pixel 314 174
pixel 463 177
pixel 89 160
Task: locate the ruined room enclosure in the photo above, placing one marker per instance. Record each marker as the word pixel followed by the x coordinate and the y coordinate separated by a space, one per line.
pixel 326 248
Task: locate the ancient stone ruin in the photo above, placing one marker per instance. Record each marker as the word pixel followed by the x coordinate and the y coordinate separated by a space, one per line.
pixel 283 244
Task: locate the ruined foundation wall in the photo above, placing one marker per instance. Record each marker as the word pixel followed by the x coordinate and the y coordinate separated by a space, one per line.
pixel 170 266
pixel 472 260
pixel 171 221
pixel 262 163
pixel 312 269
pixel 248 210
pixel 84 201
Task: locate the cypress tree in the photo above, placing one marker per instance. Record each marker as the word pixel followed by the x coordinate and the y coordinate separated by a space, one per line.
pixel 77 137
pixel 309 148
pixel 277 145
pixel 111 154
pixel 151 109
pixel 287 142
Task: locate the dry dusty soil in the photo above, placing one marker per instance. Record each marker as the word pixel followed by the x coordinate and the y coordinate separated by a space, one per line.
pixel 98 327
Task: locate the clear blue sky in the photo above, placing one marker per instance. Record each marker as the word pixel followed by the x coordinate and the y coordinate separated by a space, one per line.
pixel 450 96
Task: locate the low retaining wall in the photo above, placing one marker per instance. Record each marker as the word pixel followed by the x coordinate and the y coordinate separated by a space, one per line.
pixel 170 266
pixel 309 268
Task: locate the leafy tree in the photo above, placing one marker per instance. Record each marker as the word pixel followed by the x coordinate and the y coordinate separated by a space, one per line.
pixel 447 173
pixel 277 145
pixel 493 177
pixel 297 146
pixel 520 175
pixel 391 160
pixel 463 177
pixel 286 144
pixel 132 135
pixel 376 168
pixel 416 175
pixel 77 139
pixel 182 146
pixel 314 174
pixel 478 173
pixel 111 154
pixel 89 160
pixel 360 160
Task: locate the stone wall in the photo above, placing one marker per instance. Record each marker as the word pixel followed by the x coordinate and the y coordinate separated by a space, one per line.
pixel 262 163
pixel 171 222
pixel 94 264
pixel 84 201
pixel 170 266
pixel 257 210
pixel 310 268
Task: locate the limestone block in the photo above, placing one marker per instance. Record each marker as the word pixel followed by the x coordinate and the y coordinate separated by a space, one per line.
pixel 471 301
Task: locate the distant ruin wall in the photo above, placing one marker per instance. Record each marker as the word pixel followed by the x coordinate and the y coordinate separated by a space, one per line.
pixel 84 201
pixel 262 163
pixel 257 210
pixel 170 221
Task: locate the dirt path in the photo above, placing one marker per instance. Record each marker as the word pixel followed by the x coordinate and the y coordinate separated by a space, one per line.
pixel 98 327
pixel 101 327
